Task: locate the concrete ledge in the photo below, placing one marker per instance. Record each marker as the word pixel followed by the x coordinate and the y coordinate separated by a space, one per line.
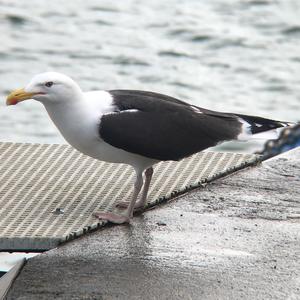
pixel 7 280
pixel 238 238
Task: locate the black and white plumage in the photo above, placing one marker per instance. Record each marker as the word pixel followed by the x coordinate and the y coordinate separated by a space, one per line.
pixel 138 128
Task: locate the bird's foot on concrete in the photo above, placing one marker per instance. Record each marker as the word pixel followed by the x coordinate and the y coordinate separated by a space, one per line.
pixel 111 217
pixel 124 204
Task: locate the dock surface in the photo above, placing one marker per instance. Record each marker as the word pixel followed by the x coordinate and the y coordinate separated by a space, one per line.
pixel 238 238
pixel 48 193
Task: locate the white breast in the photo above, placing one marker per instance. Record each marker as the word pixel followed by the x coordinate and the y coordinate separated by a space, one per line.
pixel 79 121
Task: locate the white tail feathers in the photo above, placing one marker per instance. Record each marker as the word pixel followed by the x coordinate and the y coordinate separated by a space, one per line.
pixel 248 132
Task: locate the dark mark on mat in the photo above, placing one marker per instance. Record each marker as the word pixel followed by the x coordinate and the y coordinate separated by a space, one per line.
pixel 58 211
pixel 161 224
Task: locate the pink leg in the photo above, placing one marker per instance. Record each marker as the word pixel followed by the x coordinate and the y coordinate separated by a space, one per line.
pixel 111 217
pixel 119 219
pixel 141 203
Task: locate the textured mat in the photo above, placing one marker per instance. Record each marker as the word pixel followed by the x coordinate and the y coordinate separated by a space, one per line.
pixel 49 192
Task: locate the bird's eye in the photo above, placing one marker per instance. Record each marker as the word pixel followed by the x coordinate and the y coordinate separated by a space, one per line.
pixel 49 84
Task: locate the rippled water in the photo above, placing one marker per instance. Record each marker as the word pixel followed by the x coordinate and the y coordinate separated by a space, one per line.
pixel 230 55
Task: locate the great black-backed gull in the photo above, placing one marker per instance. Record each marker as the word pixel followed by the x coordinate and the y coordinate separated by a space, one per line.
pixel 133 127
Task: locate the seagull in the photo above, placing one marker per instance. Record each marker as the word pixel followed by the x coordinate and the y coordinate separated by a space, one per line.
pixel 134 127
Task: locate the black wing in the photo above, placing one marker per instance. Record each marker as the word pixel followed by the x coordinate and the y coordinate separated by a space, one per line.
pixel 162 127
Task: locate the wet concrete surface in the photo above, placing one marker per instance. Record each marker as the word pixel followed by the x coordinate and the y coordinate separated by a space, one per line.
pixel 238 238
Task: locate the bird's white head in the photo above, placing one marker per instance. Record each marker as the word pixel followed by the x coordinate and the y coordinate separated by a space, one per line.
pixel 49 87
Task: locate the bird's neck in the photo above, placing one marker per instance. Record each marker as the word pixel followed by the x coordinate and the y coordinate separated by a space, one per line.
pixel 73 118
pixel 64 108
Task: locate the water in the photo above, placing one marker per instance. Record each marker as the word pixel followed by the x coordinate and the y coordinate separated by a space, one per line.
pixel 8 260
pixel 229 55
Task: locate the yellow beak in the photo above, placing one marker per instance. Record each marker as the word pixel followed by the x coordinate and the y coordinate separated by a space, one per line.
pixel 18 96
